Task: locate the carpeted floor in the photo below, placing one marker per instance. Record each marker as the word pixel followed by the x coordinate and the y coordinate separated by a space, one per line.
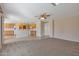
pixel 44 47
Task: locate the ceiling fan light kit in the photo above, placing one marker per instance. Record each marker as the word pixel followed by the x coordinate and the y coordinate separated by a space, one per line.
pixel 42 18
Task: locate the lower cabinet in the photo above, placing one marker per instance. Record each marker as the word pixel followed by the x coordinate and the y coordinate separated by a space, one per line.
pixel 8 34
pixel 33 33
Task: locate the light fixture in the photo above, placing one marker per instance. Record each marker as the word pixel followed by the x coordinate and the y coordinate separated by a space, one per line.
pixel 42 18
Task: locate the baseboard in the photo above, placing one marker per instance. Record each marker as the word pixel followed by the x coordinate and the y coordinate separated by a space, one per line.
pixel 67 40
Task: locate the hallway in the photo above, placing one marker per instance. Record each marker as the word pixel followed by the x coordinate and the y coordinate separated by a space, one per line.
pixel 43 47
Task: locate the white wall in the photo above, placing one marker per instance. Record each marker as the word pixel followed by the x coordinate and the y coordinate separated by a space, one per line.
pixel 47 30
pixel 49 27
pixel 67 28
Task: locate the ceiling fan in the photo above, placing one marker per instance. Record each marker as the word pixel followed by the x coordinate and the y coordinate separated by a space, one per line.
pixel 45 15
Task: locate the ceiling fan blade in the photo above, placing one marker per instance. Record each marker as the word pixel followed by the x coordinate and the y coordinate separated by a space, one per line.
pixel 48 15
pixel 53 4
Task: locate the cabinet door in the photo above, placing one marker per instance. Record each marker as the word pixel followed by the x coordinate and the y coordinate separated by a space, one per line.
pixel 8 33
pixel 33 33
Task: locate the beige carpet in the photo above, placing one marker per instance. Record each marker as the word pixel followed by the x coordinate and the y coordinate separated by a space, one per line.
pixel 44 47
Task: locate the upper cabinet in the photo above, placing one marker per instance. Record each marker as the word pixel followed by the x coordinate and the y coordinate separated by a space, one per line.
pixel 32 26
pixel 9 25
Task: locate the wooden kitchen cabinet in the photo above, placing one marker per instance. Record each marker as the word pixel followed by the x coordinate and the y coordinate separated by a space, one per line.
pixel 33 33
